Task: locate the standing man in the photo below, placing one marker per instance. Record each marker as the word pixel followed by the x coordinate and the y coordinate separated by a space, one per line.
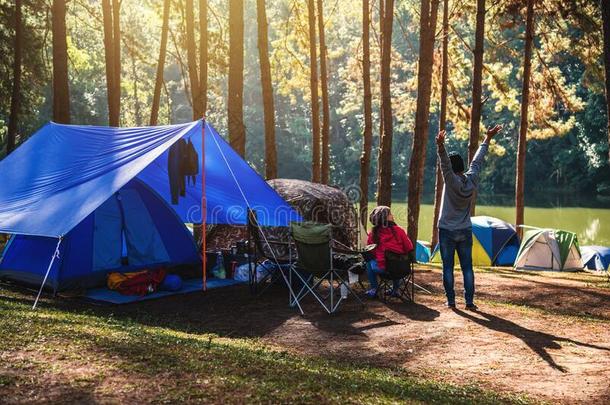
pixel 454 226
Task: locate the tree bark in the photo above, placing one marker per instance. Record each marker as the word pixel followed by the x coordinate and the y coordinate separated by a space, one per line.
pixel 313 80
pixel 136 101
pixel 154 113
pixel 438 186
pixel 427 32
pixel 325 169
pixel 365 158
pixel 384 192
pixel 116 40
pixel 237 135
pixel 522 145
pixel 191 58
pixel 203 56
pixel 267 91
pixel 381 17
pixel 605 6
pixel 477 87
pixel 16 94
pixel 61 89
pixel 109 49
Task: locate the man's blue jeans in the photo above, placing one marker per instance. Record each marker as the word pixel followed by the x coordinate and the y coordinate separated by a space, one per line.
pixel 459 241
pixel 372 270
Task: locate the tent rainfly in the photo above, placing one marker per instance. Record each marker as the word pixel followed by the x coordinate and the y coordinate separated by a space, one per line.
pixel 85 198
pixel 549 249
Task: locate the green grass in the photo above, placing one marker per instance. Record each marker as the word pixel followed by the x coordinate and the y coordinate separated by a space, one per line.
pixel 194 366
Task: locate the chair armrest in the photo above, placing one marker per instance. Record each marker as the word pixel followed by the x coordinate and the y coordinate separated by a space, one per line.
pixel 341 248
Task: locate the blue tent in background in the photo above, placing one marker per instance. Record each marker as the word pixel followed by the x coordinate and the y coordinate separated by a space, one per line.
pixel 92 197
pixel 422 252
pixel 494 243
pixel 596 257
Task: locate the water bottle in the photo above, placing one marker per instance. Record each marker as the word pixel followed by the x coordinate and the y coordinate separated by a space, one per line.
pixel 220 266
pixel 344 291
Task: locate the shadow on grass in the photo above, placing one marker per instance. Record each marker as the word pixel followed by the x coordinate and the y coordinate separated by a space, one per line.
pixel 205 367
pixel 538 342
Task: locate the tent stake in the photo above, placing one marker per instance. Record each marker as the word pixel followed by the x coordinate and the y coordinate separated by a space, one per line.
pixel 55 256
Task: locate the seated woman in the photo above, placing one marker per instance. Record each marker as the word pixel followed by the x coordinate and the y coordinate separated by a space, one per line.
pixel 387 236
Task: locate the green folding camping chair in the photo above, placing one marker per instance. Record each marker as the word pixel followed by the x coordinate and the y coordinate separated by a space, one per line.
pixel 314 265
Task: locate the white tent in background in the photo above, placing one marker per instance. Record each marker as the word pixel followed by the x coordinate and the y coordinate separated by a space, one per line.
pixel 549 249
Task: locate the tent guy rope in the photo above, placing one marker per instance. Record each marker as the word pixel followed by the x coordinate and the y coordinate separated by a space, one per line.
pixel 288 283
pixel 55 256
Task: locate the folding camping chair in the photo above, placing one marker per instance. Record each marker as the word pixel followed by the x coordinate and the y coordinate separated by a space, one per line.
pixel 400 269
pixel 314 265
pixel 277 254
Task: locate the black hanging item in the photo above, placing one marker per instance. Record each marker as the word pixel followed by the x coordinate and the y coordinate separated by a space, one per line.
pixel 175 169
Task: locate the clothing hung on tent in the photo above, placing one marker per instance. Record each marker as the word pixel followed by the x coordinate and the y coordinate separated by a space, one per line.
pixel 182 168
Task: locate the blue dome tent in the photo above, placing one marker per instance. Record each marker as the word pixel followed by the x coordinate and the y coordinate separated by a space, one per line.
pixel 596 257
pixel 494 243
pixel 84 198
pixel 422 252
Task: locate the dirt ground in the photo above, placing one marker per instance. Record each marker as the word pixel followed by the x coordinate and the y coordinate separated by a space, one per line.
pixel 544 335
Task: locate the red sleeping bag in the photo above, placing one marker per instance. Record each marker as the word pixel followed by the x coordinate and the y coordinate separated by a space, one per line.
pixel 138 283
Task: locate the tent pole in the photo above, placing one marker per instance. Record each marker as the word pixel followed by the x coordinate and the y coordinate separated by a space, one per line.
pixel 44 280
pixel 203 207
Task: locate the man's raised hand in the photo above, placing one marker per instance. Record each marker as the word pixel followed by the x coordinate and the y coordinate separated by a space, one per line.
pixel 440 138
pixel 493 131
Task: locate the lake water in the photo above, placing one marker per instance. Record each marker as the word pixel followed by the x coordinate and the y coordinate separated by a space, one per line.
pixel 592 225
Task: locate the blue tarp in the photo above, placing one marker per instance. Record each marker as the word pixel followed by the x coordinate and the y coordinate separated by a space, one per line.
pixel 63 173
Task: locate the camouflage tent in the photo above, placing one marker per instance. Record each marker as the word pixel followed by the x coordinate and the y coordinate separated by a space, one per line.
pixel 315 202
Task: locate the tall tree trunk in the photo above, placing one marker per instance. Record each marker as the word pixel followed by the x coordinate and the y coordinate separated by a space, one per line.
pixel 237 135
pixel 427 32
pixel 325 103
pixel 384 194
pixel 116 41
pixel 191 57
pixel 315 107
pixel 605 6
pixel 267 90
pixel 136 101
pixel 154 112
pixel 365 158
pixel 61 90
pixel 109 49
pixel 16 94
pixel 522 145
pixel 477 76
pixel 438 186
pixel 203 56
pixel 381 17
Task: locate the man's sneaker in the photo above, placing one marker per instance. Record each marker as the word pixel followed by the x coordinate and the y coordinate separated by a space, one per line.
pixel 471 307
pixel 450 305
pixel 372 293
pixel 392 293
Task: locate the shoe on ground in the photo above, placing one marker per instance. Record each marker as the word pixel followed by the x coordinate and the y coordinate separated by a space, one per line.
pixel 392 293
pixel 471 307
pixel 372 293
pixel 450 304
